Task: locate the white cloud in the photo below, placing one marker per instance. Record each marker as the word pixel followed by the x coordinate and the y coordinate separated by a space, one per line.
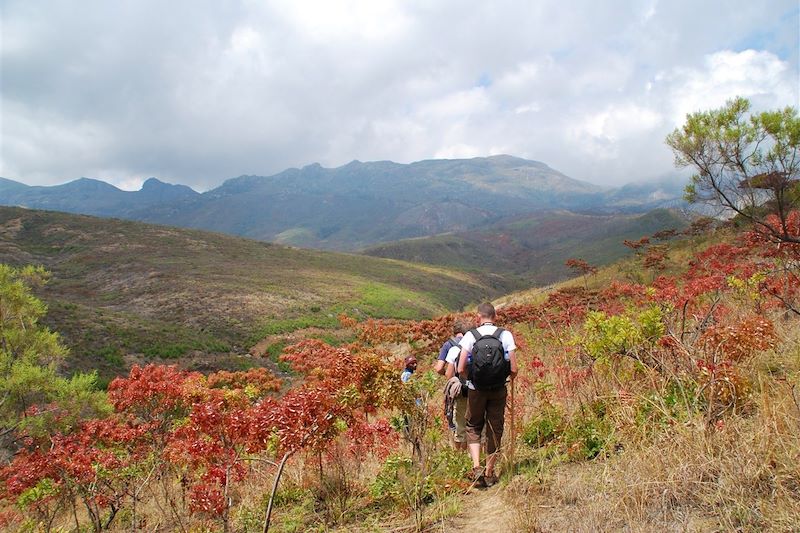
pixel 325 20
pixel 532 107
pixel 727 74
pixel 459 151
pixel 197 91
pixel 600 134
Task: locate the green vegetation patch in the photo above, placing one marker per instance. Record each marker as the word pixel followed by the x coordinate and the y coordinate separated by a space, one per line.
pixel 379 300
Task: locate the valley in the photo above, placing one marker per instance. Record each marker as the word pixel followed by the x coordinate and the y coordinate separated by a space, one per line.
pixel 124 292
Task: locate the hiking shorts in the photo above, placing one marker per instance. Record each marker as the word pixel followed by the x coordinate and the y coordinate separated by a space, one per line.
pixel 460 419
pixel 486 408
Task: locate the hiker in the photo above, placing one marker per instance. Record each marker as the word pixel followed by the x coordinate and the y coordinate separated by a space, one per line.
pixel 460 326
pixel 452 390
pixel 493 359
pixel 410 363
pixel 455 400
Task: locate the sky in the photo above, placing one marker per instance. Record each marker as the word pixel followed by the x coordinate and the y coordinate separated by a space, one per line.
pixel 200 91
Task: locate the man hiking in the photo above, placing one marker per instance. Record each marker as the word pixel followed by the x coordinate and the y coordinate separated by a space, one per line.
pixel 493 359
pixel 460 326
pixel 455 394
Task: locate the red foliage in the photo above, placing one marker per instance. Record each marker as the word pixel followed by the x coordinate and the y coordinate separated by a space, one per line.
pixel 152 390
pixel 377 438
pixel 655 257
pixel 772 246
pixel 258 381
pixel 741 339
pixel 637 245
pixel 209 427
pixel 580 266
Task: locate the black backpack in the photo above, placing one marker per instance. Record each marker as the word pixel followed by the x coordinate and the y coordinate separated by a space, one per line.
pixel 489 366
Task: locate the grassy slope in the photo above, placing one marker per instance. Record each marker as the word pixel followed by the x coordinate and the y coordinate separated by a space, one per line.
pixel 532 250
pixel 686 477
pixel 121 288
pixel 674 473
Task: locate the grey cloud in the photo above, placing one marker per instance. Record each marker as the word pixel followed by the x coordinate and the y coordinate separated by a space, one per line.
pixel 197 92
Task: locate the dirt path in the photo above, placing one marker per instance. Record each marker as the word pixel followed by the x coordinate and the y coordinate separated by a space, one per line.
pixel 484 510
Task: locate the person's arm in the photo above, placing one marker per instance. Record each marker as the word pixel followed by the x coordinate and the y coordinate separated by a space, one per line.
pixel 441 368
pixel 462 363
pixel 452 361
pixel 512 358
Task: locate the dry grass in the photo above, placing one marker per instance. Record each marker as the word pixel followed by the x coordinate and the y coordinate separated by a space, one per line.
pixel 740 474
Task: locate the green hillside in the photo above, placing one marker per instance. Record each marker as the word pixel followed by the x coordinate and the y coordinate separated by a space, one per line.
pixel 531 250
pixel 125 291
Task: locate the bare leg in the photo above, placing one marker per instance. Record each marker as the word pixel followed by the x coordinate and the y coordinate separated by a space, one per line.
pixel 475 453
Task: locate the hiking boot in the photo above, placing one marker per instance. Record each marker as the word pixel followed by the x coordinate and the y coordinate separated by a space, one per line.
pixel 477 478
pixel 490 479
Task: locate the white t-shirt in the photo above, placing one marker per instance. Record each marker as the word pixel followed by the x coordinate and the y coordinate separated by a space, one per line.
pixel 468 341
pixel 452 354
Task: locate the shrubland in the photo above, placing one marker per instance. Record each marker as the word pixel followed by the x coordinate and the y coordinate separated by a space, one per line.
pixel 122 293
pixel 660 393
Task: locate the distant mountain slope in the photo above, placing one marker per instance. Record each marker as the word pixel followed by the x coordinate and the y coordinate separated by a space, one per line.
pixel 93 197
pixel 344 208
pixel 125 288
pixel 531 250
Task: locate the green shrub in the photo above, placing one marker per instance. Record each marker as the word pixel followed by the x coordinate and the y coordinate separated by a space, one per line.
pixel 274 352
pixel 543 428
pixel 166 351
pixel 448 464
pixel 388 486
pixel 622 334
pixel 587 437
pixel 111 355
pixel 675 403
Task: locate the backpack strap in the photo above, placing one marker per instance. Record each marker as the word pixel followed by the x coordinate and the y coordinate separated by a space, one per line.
pixel 497 333
pixel 475 334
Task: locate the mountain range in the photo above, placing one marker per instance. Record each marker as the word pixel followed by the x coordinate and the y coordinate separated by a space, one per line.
pixel 354 206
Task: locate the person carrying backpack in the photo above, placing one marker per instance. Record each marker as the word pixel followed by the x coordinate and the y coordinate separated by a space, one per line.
pixel 460 326
pixel 493 360
pixel 455 394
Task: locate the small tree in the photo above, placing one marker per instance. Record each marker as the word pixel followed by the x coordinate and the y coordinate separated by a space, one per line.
pixel 34 399
pixel 582 268
pixel 747 164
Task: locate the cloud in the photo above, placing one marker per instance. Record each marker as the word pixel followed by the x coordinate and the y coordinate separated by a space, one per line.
pixel 601 135
pixel 759 75
pixel 196 92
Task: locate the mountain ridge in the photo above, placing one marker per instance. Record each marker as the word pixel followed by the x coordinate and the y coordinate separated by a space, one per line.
pixel 346 208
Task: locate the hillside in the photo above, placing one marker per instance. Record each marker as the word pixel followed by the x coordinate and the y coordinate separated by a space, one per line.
pixel 348 207
pixel 531 250
pixel 123 291
pixel 651 396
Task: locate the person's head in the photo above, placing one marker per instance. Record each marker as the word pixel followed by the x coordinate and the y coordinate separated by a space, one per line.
pixel 486 311
pixel 411 363
pixel 460 326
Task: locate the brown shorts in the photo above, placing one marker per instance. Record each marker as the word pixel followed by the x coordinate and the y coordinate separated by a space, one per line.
pixel 488 408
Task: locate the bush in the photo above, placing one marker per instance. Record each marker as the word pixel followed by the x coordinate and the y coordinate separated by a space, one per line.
pixel 543 428
pixel 588 437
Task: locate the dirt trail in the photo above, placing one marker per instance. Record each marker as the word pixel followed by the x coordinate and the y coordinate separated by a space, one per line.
pixel 483 510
